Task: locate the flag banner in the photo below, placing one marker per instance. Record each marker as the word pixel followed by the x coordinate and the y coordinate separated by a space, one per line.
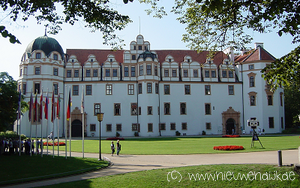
pixel 69 106
pixel 82 101
pixel 58 107
pixel 53 107
pixel 30 107
pixel 35 107
pixel 41 106
pixel 46 106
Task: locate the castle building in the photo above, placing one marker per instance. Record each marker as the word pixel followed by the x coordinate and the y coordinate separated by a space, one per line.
pixel 149 92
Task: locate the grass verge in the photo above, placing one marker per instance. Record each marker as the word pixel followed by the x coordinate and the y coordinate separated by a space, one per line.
pixel 19 169
pixel 255 175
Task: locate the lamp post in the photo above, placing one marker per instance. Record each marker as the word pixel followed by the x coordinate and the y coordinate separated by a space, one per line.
pixel 100 118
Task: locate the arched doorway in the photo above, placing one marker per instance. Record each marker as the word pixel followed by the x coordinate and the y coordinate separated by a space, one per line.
pixel 76 128
pixel 230 126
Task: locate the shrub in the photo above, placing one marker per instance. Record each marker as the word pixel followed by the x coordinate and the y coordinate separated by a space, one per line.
pixel 115 138
pixel 228 148
pixel 11 134
pixel 230 136
pixel 203 133
pixel 177 133
pixel 55 143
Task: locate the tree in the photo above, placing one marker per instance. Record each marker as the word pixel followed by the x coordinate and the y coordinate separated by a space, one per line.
pixel 95 13
pixel 215 24
pixel 292 108
pixel 9 97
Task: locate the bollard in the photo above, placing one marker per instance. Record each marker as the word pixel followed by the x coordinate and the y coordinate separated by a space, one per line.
pixel 279 158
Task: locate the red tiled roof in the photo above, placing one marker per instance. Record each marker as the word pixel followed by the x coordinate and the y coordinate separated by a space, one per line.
pixel 178 55
pixel 101 55
pixel 259 54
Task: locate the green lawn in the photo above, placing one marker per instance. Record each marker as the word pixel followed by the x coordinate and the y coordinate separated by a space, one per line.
pixel 182 145
pixel 257 176
pixel 24 168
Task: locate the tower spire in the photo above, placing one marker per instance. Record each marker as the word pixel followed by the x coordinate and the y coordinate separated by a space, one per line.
pixel 46 30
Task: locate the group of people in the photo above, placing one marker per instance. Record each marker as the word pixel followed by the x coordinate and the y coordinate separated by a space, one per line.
pixel 112 147
pixel 12 146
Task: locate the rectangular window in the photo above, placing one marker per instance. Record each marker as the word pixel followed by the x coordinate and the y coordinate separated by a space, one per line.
pixel 24 89
pixel 230 74
pixel 149 110
pixel 270 100
pixel 88 73
pixel 149 70
pixel 185 73
pixel 38 55
pixel 167 108
pixel 88 89
pixel 281 102
pixel 115 72
pixel 166 72
pixel 97 108
pixel 224 74
pixel 135 127
pixel 213 74
pixel 167 89
pixel 207 89
pixel 108 127
pixel 75 89
pixel 207 109
pixel 182 108
pixel 119 127
pixel 187 89
pixel 156 88
pixel 162 126
pixel 251 67
pixel 133 57
pixel 117 110
pixel 174 73
pixel 107 72
pixel 130 89
pixel 140 110
pixel 76 73
pixel 195 72
pixel 141 70
pixel 108 89
pixel 69 73
pixel 126 71
pixel 55 56
pixel 55 85
pixel 92 127
pixel 55 71
pixel 184 126
pixel 208 126
pixel 95 72
pixel 206 73
pixel 37 87
pixel 230 90
pixel 173 126
pixel 37 70
pixel 133 109
pixel 132 71
pixel 251 81
pixel 140 88
pixel 149 87
pixel 271 122
pixel 252 100
pixel 150 127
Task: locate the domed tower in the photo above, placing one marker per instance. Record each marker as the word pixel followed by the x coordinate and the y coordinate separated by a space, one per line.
pixel 42 72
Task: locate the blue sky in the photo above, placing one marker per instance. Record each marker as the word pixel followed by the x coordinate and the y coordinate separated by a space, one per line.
pixel 165 33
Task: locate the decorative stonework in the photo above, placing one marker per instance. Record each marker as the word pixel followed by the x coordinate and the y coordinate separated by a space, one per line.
pixel 231 113
pixel 76 115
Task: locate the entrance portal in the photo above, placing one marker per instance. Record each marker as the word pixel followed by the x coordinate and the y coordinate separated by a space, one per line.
pixel 230 128
pixel 76 128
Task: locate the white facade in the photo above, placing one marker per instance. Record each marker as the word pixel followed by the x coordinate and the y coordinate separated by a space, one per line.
pixel 152 92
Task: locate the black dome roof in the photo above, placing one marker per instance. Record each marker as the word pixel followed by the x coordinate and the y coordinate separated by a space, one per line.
pixel 46 44
pixel 146 54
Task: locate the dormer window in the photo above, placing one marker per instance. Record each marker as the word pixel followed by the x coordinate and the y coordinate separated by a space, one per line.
pixel 72 60
pixel 92 60
pixel 209 62
pixel 188 60
pixel 134 47
pixel 111 60
pixel 38 55
pixel 251 67
pixel 37 70
pixel 170 60
pixel 140 48
pixel 133 57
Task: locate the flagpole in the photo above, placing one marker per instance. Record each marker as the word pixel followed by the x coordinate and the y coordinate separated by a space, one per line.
pixel 53 120
pixel 70 126
pixel 46 115
pixel 30 115
pixel 19 120
pixel 65 127
pixel 82 111
pixel 57 121
pixel 36 121
pixel 41 119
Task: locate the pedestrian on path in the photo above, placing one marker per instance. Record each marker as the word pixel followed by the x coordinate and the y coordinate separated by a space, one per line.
pixel 112 147
pixel 118 147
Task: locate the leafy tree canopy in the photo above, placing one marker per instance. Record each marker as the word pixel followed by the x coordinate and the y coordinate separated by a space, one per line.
pixel 96 14
pixel 9 97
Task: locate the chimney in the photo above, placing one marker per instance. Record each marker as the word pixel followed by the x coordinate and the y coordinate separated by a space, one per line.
pixel 261 44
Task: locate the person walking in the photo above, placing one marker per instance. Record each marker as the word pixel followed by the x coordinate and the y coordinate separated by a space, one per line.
pixel 118 147
pixel 112 147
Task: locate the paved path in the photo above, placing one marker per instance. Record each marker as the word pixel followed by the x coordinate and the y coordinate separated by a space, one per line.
pixel 131 163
